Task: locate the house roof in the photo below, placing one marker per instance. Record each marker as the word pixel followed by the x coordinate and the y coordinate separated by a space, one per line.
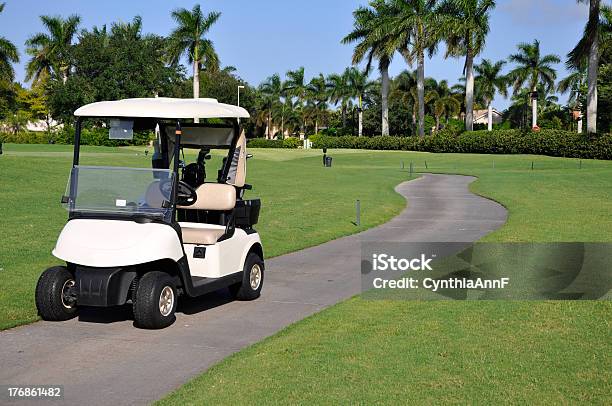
pixel 481 113
pixel 162 107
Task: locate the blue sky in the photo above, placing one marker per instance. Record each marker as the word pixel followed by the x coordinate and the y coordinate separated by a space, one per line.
pixel 267 36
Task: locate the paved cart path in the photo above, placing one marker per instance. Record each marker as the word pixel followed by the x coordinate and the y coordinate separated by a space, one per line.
pixel 102 359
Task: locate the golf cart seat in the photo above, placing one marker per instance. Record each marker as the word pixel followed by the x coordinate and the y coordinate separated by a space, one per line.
pixel 202 234
pixel 210 196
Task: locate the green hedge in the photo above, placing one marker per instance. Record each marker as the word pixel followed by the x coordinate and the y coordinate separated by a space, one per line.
pixel 89 136
pixel 264 143
pixel 546 142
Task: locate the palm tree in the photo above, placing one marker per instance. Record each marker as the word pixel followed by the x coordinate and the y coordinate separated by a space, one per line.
pixel 445 102
pixel 533 69
pixel 361 86
pixel 189 38
pixel 317 100
pixel 490 81
pixel 371 46
pixel 577 86
pixel 340 92
pixel 410 27
pixel 588 50
pixel 282 112
pixel 295 86
pixel 8 55
pixel 130 31
pixel 271 90
pixel 50 51
pixel 404 88
pixel 466 24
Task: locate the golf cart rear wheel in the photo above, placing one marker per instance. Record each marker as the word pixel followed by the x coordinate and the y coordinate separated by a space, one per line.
pixel 54 300
pixel 154 301
pixel 252 279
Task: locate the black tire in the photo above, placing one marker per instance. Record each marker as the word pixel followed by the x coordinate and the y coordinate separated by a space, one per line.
pixel 244 290
pixel 49 294
pixel 146 302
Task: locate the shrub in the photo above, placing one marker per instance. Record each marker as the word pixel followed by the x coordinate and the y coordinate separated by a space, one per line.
pixel 289 142
pixel 546 142
pixel 89 136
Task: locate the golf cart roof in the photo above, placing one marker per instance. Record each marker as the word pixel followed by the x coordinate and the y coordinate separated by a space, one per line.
pixel 162 107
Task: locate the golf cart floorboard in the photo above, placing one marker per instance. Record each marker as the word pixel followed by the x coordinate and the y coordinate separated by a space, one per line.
pixel 202 285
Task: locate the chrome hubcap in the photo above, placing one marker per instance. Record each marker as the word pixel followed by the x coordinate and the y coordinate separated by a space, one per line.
pixel 166 301
pixel 255 277
pixel 68 284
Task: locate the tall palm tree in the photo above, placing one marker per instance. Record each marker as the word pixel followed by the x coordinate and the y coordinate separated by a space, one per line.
pixel 466 24
pixel 532 69
pixel 370 46
pixel 588 49
pixel 283 113
pixel 271 90
pixel 295 86
pixel 410 26
pixel 490 80
pixel 50 51
pixel 189 37
pixel 361 86
pixel 8 56
pixel 340 92
pixel 317 100
pixel 577 86
pixel 445 103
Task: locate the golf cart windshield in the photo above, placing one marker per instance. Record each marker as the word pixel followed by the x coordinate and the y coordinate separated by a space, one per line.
pixel 120 191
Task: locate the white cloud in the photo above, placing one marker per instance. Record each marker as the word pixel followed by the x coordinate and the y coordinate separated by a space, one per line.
pixel 529 12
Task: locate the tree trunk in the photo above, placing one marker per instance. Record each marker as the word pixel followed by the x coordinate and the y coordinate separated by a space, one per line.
pixel 469 91
pixel 384 71
pixel 421 92
pixel 316 126
pixel 534 112
pixel 592 71
pixel 269 126
pixel 283 125
pixel 196 84
pixel 490 117
pixel 343 115
pixel 360 118
pixel 580 124
pixel 437 122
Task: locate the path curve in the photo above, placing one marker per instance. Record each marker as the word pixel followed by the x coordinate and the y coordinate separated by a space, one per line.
pixel 102 359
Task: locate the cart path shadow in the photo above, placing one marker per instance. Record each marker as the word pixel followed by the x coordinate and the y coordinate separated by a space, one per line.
pixel 186 305
pixel 101 359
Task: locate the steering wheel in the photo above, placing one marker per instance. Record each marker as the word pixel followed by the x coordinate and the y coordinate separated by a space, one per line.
pixel 185 194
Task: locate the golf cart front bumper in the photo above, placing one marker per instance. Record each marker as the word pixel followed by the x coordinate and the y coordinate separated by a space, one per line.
pixel 102 286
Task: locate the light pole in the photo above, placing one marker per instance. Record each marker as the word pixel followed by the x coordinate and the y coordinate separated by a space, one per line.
pixel 239 87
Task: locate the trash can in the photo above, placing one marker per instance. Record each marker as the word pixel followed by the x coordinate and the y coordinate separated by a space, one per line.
pixel 328 162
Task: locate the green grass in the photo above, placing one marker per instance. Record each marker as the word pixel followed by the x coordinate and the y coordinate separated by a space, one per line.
pixel 303 205
pixel 362 351
pixel 409 352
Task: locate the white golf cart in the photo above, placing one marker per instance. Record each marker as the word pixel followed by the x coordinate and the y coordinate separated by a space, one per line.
pixel 147 236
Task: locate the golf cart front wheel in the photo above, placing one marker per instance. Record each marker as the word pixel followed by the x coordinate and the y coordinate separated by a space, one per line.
pixel 55 300
pixel 252 279
pixel 154 301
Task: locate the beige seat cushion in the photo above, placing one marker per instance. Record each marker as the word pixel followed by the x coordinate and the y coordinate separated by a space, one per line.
pixel 198 234
pixel 214 196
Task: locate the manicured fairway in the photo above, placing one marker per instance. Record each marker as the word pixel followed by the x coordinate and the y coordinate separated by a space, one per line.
pixel 303 205
pixel 368 351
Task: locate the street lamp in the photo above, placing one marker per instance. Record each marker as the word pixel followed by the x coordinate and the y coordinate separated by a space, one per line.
pixel 239 87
